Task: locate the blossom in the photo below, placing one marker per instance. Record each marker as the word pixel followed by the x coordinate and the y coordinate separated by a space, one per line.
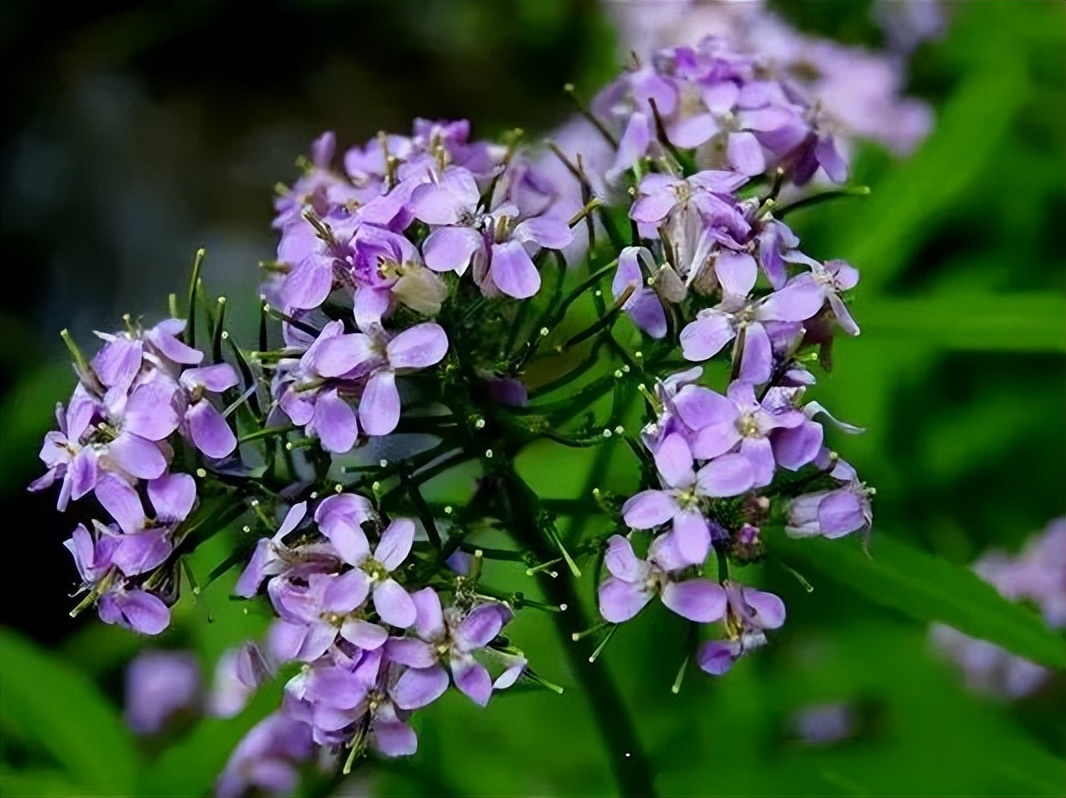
pixel 159 686
pixel 750 614
pixel 445 638
pixel 266 758
pixel 634 582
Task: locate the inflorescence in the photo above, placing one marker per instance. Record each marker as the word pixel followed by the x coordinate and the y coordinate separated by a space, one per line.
pixel 440 303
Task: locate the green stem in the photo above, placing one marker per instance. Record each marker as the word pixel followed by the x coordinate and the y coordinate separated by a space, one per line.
pixel 625 755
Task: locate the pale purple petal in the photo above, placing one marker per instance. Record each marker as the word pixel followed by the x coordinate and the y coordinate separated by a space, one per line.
pixel 693 131
pixel 82 475
pixel 840 512
pixel 622 562
pixel 393 738
pixel 652 208
pixel 216 378
pixel 796 447
pixel 429 618
pixel 395 543
pixel 343 354
pixel 411 652
pixel 692 536
pixel 335 423
pixel 136 609
pixel 480 626
pixel 700 407
pixel 120 500
pixel 736 272
pixel 150 410
pixel 367 636
pixel 308 284
pixel 674 462
pixel 620 601
pixel 118 362
pixel 757 357
pixel 346 592
pixel 137 456
pixel 444 202
pixel 419 687
pixel 140 552
pixel 172 497
pixel 394 604
pixel 745 153
pixel 632 146
pixel 769 609
pixel 379 407
pixel 704 338
pixel 830 159
pixel 419 347
pixel 209 431
pixel 450 249
pixel 513 271
pixel 716 657
pixel 648 509
pixel 759 453
pixel 799 300
pixel 698 600
pixel 473 680
pixel 715 440
pixel 369 305
pixel 545 231
pixel 729 475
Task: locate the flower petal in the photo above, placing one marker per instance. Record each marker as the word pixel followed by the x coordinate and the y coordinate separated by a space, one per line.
pixel 648 509
pixel 335 423
pixel 394 604
pixel 729 475
pixel 418 347
pixel 395 543
pixel 379 407
pixel 620 601
pixel 698 600
pixel 472 679
pixel 513 271
pixel 419 687
pixel 209 431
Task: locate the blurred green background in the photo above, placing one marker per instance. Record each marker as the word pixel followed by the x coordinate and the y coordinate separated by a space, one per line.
pixel 133 133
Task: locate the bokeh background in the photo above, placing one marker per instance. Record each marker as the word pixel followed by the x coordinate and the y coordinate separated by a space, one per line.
pixel 132 133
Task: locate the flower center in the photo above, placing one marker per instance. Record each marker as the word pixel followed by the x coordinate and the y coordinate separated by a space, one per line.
pixel 374 569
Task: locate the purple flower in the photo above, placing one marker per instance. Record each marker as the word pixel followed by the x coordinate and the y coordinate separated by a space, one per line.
pixel 497 243
pixel 684 491
pixel 65 452
pixel 445 641
pixel 311 400
pixel 379 358
pixel 800 299
pixel 205 426
pixel 643 305
pixel 267 758
pixel 706 194
pixel 634 582
pixel 738 422
pixel 238 674
pixel 832 513
pixel 750 613
pixel 371 569
pixel 159 686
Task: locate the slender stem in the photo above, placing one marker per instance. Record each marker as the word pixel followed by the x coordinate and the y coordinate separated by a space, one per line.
pixel 627 759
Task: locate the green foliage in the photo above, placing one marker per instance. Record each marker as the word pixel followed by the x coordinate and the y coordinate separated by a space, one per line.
pixel 51 711
pixel 926 588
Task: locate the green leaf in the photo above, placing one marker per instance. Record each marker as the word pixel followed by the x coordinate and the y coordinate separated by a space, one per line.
pixel 927 588
pixel 892 224
pixel 1030 322
pixel 52 704
pixel 38 783
pixel 191 766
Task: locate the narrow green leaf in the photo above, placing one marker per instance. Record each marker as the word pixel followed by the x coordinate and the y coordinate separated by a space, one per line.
pixel 885 230
pixel 1031 322
pixel 63 712
pixel 37 783
pixel 904 578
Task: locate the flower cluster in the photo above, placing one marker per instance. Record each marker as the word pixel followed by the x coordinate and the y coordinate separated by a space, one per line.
pixel 411 283
pixel 373 651
pixel 143 393
pixel 1036 575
